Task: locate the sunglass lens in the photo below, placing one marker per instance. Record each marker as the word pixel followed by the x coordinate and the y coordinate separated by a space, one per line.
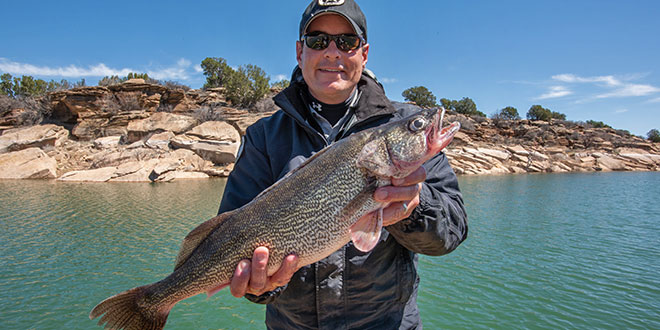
pixel 317 42
pixel 348 42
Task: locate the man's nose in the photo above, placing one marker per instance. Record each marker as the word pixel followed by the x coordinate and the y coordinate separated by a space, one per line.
pixel 332 50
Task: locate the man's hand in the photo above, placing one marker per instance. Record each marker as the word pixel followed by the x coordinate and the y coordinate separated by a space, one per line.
pixel 403 196
pixel 251 277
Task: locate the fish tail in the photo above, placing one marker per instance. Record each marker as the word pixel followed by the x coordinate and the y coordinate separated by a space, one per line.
pixel 124 311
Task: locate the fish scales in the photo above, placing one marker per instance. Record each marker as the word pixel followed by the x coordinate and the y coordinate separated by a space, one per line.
pixel 311 212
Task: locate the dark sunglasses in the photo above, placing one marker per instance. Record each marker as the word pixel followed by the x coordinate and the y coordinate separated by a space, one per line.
pixel 320 41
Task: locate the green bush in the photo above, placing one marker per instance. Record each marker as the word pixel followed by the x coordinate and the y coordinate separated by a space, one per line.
pixel 653 135
pixel 508 113
pixel 421 96
pixel 464 106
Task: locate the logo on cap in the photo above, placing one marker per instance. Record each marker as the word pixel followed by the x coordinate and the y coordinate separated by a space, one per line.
pixel 331 2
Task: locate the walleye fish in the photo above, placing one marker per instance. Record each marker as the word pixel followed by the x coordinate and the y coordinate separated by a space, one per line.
pixel 311 212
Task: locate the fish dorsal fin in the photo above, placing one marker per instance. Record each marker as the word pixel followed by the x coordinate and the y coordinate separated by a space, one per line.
pixel 196 236
pixel 307 161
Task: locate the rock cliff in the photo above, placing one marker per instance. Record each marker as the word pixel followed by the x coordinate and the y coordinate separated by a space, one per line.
pixel 136 131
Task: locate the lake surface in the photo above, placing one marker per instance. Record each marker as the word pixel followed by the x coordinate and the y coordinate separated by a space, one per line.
pixel 569 251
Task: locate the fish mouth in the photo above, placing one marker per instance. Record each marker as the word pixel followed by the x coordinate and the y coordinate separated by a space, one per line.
pixel 438 137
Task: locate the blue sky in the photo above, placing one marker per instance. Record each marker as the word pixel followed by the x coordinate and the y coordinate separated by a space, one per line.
pixel 596 60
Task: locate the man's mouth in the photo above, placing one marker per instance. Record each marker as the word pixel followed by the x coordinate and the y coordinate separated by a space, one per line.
pixel 332 70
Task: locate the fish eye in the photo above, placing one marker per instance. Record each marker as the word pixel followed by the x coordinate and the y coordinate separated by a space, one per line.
pixel 417 124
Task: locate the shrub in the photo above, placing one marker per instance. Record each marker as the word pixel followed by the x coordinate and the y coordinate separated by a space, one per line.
pixel 508 113
pixel 653 135
pixel 421 96
pixel 208 113
pixel 245 86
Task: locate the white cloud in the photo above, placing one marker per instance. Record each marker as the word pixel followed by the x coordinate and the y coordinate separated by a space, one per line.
pixel 621 111
pixel 655 100
pixel 280 77
pixel 179 71
pixel 555 92
pixel 618 86
pixel 98 70
pixel 388 80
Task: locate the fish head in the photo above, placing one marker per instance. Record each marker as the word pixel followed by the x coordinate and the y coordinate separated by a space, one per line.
pixel 399 148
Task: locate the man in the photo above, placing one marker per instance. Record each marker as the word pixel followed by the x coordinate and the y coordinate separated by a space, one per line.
pixel 331 96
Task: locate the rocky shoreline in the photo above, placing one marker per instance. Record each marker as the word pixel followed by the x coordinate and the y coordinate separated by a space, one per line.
pixel 138 132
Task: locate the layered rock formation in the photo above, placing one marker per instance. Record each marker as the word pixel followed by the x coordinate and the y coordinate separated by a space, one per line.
pixel 143 132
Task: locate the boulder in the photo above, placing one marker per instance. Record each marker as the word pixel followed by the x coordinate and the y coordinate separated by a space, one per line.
pixel 159 122
pixel 160 140
pixel 38 136
pixel 178 175
pixel 215 141
pixel 96 175
pixel 135 171
pixel 107 142
pixel 494 153
pixel 608 163
pixel 31 163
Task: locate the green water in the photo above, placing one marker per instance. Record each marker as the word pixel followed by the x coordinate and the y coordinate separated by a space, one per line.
pixel 575 251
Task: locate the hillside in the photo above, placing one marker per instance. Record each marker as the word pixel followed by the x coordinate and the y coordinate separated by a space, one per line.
pixel 137 131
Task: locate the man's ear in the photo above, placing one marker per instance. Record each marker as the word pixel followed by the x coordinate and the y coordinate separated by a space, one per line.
pixel 299 50
pixel 365 55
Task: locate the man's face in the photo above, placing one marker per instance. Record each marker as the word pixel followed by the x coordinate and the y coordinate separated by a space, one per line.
pixel 331 74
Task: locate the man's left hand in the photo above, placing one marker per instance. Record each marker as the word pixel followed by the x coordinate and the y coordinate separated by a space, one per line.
pixel 403 196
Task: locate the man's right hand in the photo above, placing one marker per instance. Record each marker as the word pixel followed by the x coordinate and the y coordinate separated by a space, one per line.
pixel 251 276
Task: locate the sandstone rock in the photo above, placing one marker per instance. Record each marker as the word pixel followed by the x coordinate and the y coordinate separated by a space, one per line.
pixel 107 142
pixel 608 163
pixel 518 150
pixel 106 125
pixel 39 136
pixel 215 130
pixel 215 141
pixel 31 163
pixel 160 140
pixel 494 153
pixel 136 171
pixel 179 175
pixel 159 122
pixel 96 175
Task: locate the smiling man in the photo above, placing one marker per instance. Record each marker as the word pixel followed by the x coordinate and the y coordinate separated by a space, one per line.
pixel 331 96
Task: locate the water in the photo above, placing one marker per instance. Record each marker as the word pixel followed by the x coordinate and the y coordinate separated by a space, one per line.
pixel 573 251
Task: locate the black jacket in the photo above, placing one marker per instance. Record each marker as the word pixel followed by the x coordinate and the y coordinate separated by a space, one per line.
pixel 349 288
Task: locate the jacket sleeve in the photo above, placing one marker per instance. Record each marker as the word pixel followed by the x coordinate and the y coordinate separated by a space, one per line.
pixel 250 176
pixel 439 223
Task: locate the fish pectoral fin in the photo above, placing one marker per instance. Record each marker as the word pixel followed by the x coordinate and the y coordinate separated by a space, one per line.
pixel 376 159
pixel 197 236
pixel 216 289
pixel 365 233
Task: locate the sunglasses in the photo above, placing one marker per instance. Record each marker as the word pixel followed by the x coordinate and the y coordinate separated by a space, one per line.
pixel 320 41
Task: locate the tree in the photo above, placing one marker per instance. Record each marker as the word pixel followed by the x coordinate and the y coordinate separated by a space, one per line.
pixel 447 103
pixel 653 135
pixel 557 115
pixel 245 86
pixel 216 71
pixel 598 124
pixel 6 85
pixel 421 96
pixel 537 112
pixel 508 113
pixel 282 84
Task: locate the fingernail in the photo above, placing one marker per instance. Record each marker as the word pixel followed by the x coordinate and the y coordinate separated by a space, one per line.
pixel 381 194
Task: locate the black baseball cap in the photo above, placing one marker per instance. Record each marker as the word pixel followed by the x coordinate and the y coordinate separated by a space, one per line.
pixel 346 8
